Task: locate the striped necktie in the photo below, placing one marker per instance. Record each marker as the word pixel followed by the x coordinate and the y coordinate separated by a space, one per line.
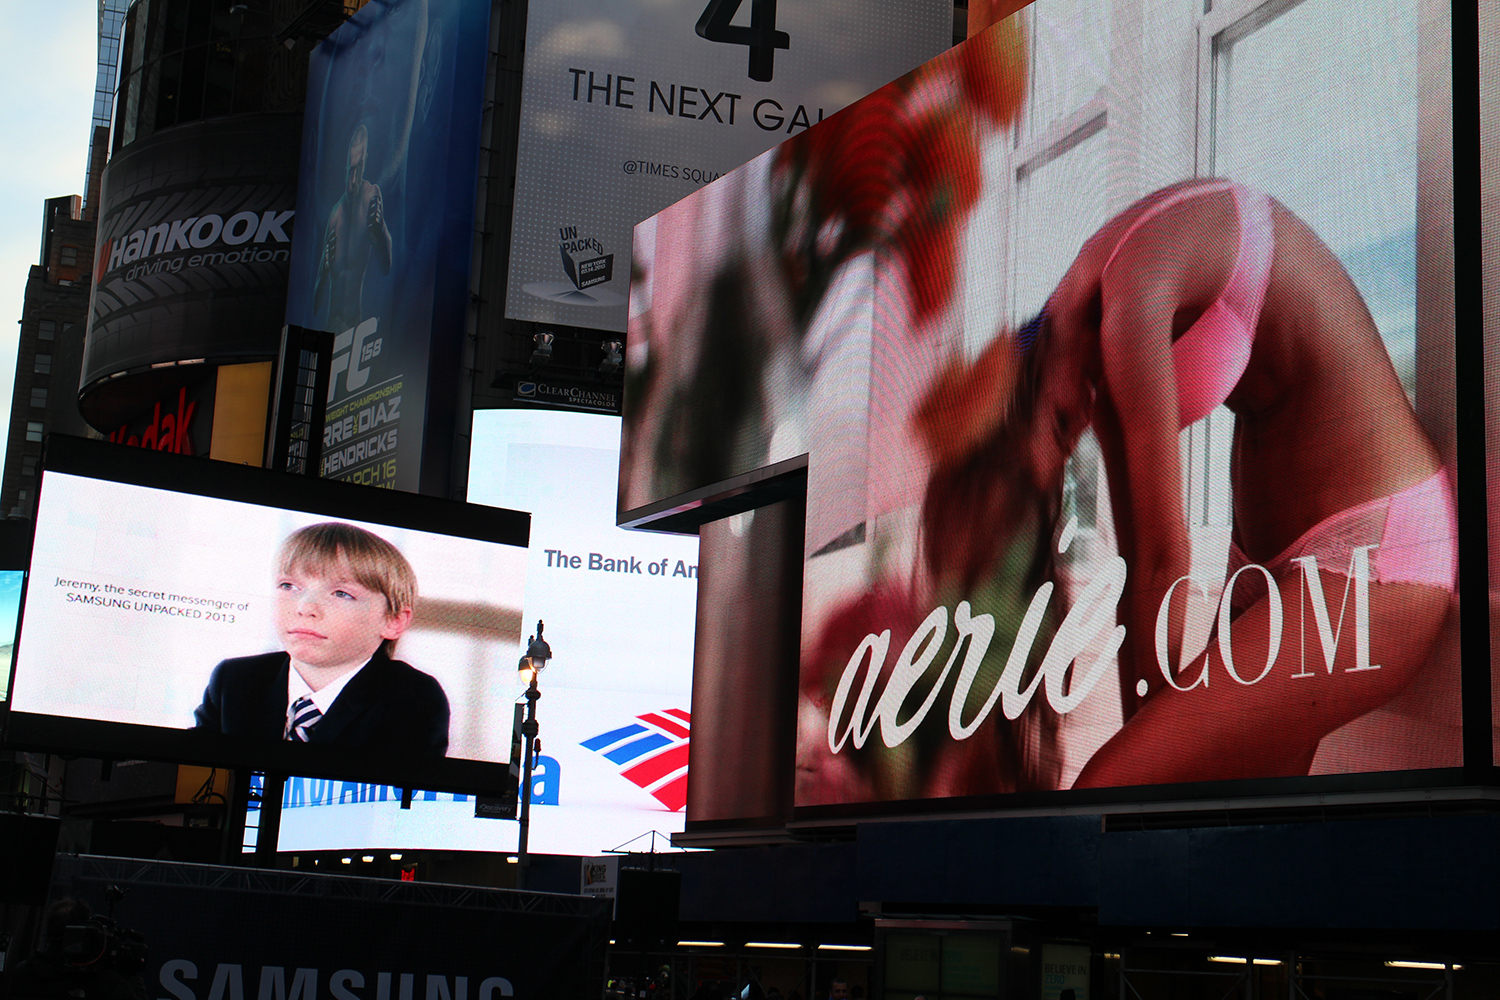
pixel 301 718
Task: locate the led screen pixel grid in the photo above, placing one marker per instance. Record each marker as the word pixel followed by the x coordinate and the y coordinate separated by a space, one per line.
pixel 11 582
pixel 167 623
pixel 864 296
pixel 1489 180
pixel 615 725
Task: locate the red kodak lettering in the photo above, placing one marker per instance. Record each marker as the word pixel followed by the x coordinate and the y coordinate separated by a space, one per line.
pixel 183 445
pixel 170 432
pixel 148 437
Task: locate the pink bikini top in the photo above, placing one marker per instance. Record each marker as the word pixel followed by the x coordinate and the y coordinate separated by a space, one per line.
pixel 1212 354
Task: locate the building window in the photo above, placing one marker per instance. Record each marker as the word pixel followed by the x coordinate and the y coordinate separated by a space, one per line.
pixel 1363 127
pixel 28 465
pixel 68 257
pixel 38 397
pixel 43 364
pixel 33 430
pixel 46 329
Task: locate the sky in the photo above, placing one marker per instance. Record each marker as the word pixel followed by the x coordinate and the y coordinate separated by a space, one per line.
pixel 47 67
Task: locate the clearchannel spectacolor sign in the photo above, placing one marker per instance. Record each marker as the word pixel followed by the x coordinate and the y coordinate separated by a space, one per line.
pixel 573 397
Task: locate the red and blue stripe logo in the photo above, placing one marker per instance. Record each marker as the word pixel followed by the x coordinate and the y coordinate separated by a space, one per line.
pixel 652 754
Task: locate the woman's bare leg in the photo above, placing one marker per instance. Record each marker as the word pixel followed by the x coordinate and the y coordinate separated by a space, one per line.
pixel 1271 728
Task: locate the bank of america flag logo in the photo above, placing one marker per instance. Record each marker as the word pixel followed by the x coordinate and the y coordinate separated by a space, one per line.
pixel 652 753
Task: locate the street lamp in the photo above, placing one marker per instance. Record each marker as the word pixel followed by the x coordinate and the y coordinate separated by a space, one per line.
pixel 530 668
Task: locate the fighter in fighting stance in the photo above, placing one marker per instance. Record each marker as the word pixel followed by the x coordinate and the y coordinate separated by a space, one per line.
pixel 356 234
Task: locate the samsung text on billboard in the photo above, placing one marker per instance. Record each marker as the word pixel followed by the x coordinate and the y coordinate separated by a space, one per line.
pixel 228 983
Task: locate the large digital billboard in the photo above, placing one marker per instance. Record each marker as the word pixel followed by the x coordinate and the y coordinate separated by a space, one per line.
pixel 197 931
pixel 615 712
pixel 390 160
pixel 205 612
pixel 1118 367
pixel 629 106
pixel 194 249
pixel 11 582
pixel 1489 182
pixel 15 552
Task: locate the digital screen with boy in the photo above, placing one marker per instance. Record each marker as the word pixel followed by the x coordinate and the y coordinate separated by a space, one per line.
pixel 267 621
pixel 342 597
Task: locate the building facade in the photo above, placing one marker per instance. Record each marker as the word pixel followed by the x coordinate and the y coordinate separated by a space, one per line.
pixel 45 393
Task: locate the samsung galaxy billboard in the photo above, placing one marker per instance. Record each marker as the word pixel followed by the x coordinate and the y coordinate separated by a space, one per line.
pixel 627 107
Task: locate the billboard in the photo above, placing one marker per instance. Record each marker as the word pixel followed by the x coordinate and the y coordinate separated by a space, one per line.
pixel 1489 184
pixel 206 612
pixel 628 107
pixel 11 582
pixel 190 932
pixel 193 253
pixel 15 550
pixel 390 160
pixel 615 713
pixel 1124 394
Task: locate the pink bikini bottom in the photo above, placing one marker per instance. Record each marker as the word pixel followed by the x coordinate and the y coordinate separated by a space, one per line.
pixel 1415 531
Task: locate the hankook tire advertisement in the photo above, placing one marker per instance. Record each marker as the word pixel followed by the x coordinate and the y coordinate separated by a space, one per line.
pixel 194 246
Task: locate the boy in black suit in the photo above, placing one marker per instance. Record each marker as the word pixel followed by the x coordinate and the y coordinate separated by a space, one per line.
pixel 343 597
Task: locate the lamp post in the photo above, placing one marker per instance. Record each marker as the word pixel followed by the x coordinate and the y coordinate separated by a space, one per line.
pixel 530 668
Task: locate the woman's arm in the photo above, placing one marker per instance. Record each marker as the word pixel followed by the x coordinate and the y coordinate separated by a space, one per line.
pixel 1136 422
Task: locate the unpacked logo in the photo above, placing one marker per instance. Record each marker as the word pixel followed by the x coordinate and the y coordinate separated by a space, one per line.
pixel 527 389
pixel 652 754
pixel 197 232
pixel 584 259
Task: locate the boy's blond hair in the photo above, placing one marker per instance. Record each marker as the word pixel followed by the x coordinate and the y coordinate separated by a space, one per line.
pixel 372 561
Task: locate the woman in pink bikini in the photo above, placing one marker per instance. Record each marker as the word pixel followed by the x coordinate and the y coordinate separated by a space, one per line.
pixel 1205 293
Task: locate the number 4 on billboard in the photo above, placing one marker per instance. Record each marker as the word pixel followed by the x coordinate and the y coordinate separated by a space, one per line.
pixel 761 35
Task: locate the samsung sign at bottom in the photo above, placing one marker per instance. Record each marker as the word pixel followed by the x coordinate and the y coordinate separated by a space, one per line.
pixel 228 983
pixel 215 933
pixel 572 396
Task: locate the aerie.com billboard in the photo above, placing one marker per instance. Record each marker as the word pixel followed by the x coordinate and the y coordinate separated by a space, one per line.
pixel 1128 440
